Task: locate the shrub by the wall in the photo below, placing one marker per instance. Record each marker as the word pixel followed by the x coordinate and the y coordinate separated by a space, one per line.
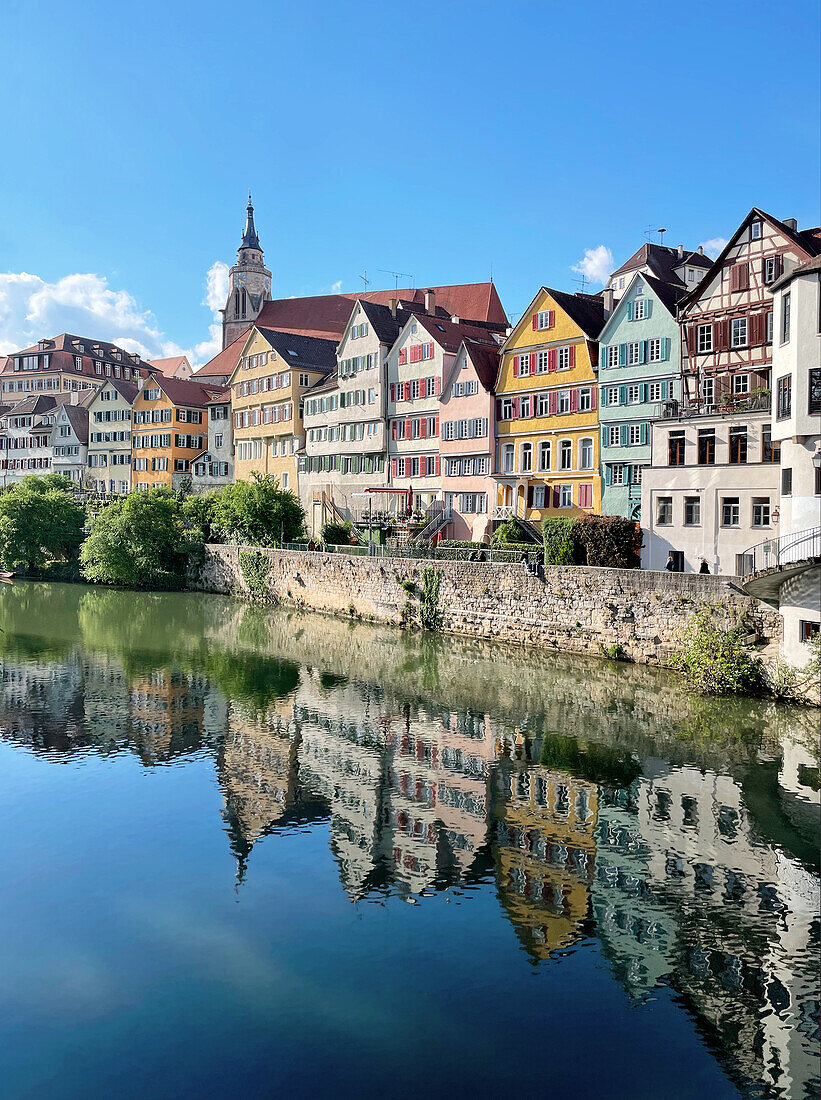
pixel 336 534
pixel 611 541
pixel 558 541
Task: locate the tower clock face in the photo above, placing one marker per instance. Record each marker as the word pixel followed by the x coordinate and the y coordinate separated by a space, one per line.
pixel 239 279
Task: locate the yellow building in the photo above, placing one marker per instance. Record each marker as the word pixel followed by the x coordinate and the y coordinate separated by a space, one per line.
pixel 547 460
pixel 268 383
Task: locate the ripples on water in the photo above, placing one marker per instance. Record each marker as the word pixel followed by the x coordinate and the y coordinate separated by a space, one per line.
pixel 580 807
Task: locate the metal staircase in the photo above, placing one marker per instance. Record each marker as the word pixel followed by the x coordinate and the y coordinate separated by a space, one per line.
pixel 438 517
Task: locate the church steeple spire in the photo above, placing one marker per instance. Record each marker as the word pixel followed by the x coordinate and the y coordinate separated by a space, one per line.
pixel 249 237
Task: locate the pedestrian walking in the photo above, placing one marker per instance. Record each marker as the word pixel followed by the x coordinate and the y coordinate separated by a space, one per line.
pixel 670 565
pixel 704 567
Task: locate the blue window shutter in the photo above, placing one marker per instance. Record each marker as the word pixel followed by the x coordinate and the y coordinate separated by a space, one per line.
pixel 629 311
pixel 664 391
pixel 648 308
pixel 622 355
pixel 622 395
pixel 603 357
pixel 626 478
pixel 665 348
pixel 624 435
pixel 645 432
pixel 608 474
pixel 642 350
pixel 644 391
pixel 602 396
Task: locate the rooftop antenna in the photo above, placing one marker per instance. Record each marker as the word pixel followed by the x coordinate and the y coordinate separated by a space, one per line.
pixel 396 275
pixel 582 282
pixel 649 231
pixel 365 279
pixel 661 233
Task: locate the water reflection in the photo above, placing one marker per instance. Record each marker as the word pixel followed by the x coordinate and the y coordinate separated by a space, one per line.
pixel 600 803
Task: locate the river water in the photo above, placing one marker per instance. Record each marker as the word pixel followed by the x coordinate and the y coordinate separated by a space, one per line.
pixel 252 852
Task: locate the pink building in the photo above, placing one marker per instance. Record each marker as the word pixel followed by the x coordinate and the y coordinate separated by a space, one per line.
pixel 467 442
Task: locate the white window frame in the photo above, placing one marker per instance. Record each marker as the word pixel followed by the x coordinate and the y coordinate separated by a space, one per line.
pixel 704 339
pixel 738 332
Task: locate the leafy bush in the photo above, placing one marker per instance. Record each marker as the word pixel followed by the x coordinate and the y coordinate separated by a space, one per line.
pixel 430 615
pixel 257 512
pixel 198 511
pixel 461 544
pixel 558 541
pixel 508 534
pixel 337 534
pixel 139 541
pixel 611 541
pixel 714 660
pixel 40 521
pixel 255 567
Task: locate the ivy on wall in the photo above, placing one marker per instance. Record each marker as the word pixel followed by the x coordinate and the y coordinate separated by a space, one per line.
pixel 430 615
pixel 255 567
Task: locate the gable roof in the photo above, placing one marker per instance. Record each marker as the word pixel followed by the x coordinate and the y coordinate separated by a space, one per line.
pixel 382 321
pixel 325 385
pixel 485 361
pixel 172 365
pixel 309 352
pixel 78 419
pixel 667 293
pixel 224 362
pixel 184 391
pixel 126 390
pixel 34 406
pixel 469 301
pixel 806 241
pixel 587 310
pixel 449 335
pixel 662 261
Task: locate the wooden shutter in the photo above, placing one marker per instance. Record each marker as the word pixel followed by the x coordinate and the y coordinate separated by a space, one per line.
pixel 530 496
pixel 553 403
pixel 593 395
pixel 740 276
pixel 572 354
pixel 436 465
pixel 515 366
pixel 551 318
pixel 498 408
pixel 393 468
pixel 533 362
pixel 437 386
pixel 393 391
pixel 436 425
pixel 756 328
pixel 403 356
pixel 622 395
pixel 534 321
pixel 624 434
pixel 556 496
pixel 574 401
pixel 515 408
pixel 394 429
pixel 408 428
pixel 423 466
pixel 551 359
pixel 629 311
pixel 721 335
pixel 648 308
pixel 622 355
pixel 423 427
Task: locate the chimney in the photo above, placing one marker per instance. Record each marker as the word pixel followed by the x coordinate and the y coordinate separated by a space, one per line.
pixel 681 251
pixel 607 298
pixel 791 223
pixel 392 307
pixel 454 320
pixel 430 302
pixel 701 250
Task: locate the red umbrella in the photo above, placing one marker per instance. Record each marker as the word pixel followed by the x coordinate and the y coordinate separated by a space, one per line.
pixel 409 506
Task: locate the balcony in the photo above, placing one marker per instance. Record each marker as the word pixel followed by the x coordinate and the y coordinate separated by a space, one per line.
pixel 729 405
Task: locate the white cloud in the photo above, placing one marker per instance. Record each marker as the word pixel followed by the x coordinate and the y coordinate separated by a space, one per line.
pixel 596 265
pixel 336 287
pixel 31 308
pixel 713 246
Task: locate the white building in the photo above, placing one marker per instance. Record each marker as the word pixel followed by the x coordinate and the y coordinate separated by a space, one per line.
pixel 25 437
pixel 215 467
pixel 109 436
pixel 712 489
pixel 69 442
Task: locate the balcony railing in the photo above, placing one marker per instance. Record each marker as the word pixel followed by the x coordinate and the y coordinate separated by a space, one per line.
pixel 798 546
pixel 722 406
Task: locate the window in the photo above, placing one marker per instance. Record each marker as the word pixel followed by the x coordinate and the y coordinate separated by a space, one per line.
pixel 585 454
pixel 472 503
pixel 783 397
pixel 785 318
pixel 285 480
pixel 708 391
pixel 704 338
pixel 538 496
pixel 565 455
pixel 730 512
pixel 755 230
pixel 664 511
pixel 786 481
pixel 526 457
pixel 611 395
pixel 585 400
pixel 543 318
pixel 634 434
pixel 565 496
pixel 741 384
pixel 691 275
pixel 738 445
pixel 770 452
pixel 613 355
pixel 675 456
pixel 761 511
pixel 304 380
pixel 617 475
pixel 738 332
pixel 706 447
pixel 634 353
pixel 770 269
pixel 814 391
pixel 524 364
pixel 633 395
pixel 807 630
pixel 507 458
pixel 544 455
pixel 563 359
pixel 507 408
pixel 654 391
pixel 768 338
pixel 692 511
pixel 638 309
pixel 654 350
pixel 635 474
pixel 564 401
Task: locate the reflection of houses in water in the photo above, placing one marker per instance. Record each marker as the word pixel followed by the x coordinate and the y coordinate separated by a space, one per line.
pixel 545 822
pixel 166 711
pixel 42 701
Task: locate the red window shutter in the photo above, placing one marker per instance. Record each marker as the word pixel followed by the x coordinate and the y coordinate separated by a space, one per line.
pixel 498 408
pixel 408 428
pixel 744 276
pixel 574 401
pixel 436 425
pixel 423 427
pixel 423 466
pixel 394 428
pixel 572 355
pixel 779 265
pixel 533 362
pixel 530 496
pixel 553 403
pixel 555 496
pixel 723 336
pixel 515 366
pixel 437 386
pixel 534 321
pixel 594 394
pixel 403 356
pixel 734 278
pixel 393 391
pixel 692 340
pixel 551 359
pixel 393 468
pixel 407 391
pixel 436 465
pixel 551 318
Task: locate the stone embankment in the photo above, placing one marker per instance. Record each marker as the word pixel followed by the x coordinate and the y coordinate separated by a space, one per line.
pixel 576 610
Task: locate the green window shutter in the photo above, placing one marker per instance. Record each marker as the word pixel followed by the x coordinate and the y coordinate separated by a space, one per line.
pixel 664 391
pixel 644 391
pixel 622 355
pixel 602 396
pixel 645 432
pixel 602 356
pixel 624 434
pixel 629 311
pixel 622 395
pixel 665 348
pixel 608 474
pixel 648 308
pixel 642 350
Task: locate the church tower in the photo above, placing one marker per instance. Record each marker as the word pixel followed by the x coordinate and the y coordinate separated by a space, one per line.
pixel 250 283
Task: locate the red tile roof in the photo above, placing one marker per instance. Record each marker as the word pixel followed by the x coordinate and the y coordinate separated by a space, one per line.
pixel 450 336
pixel 469 301
pixel 224 362
pixel 485 360
pixel 172 365
pixel 182 391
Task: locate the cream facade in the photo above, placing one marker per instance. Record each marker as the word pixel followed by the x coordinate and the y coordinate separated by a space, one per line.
pixel 109 437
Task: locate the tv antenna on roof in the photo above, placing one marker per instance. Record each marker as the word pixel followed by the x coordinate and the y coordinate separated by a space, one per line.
pixel 582 282
pixel 365 279
pixel 396 275
pixel 648 232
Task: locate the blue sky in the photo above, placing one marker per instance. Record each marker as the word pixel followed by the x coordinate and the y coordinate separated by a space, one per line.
pixel 441 140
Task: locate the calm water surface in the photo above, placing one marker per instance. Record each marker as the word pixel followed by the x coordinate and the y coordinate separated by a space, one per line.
pixel 255 853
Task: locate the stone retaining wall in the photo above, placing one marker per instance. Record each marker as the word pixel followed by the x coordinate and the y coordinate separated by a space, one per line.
pixel 575 609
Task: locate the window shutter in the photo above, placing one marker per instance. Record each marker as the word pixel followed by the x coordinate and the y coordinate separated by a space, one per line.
pixel 622 355
pixel 534 321
pixel 608 474
pixel 403 356
pixel 665 348
pixel 574 401
pixel 393 391
pixel 551 359
pixel 436 425
pixel 515 366
pixel 408 391
pixel 436 465
pixel 394 428
pixel 603 357
pixel 515 408
pixel 572 354
pixel 393 468
pixel 553 403
pixel 648 308
pixel 622 395
pixel 498 408
pixel 533 362
pixel 642 350
pixel 722 335
pixel 779 265
pixel 423 466
pixel 423 427
pixel 629 311
pixel 408 428
pixel 593 393
pixel 645 432
pixel 644 391
pixel 556 496
pixel 624 434
pixel 663 391
pixel 437 386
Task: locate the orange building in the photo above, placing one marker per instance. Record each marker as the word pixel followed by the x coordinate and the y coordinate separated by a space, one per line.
pixel 169 428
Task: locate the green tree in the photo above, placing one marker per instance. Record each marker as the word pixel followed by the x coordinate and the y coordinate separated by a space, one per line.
pixel 714 659
pixel 139 541
pixel 198 511
pixel 257 512
pixel 40 521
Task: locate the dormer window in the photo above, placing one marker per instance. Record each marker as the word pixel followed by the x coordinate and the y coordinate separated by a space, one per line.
pixel 691 275
pixel 755 231
pixel 78 362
